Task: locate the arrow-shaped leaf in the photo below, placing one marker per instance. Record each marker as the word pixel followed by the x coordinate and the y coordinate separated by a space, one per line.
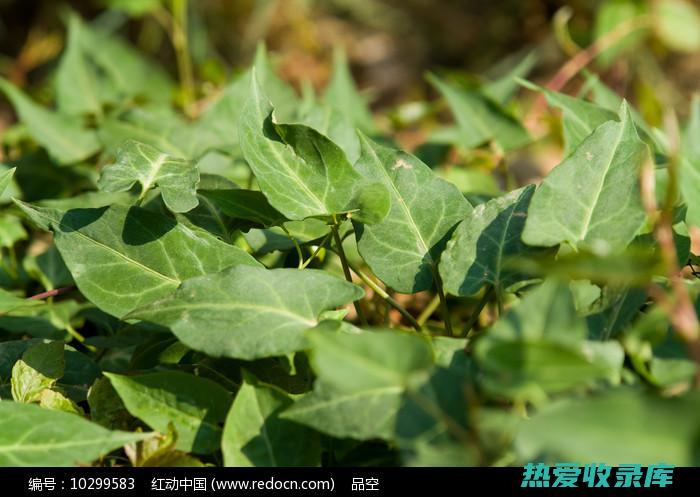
pixel 301 172
pixel 479 247
pixel 136 256
pixel 195 406
pixel 481 119
pixel 32 436
pixel 176 178
pixel 255 435
pixel 403 249
pixel 249 312
pixel 63 136
pixel 593 197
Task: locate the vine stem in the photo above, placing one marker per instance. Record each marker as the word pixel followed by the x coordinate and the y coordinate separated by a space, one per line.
pixel 428 311
pixel 300 254
pixel 443 302
pixel 318 249
pixel 388 298
pixel 679 309
pixel 52 293
pixel 580 60
pixel 346 269
pixel 467 331
pixel 176 26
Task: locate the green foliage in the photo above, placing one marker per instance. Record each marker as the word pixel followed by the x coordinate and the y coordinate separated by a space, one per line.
pixel 230 274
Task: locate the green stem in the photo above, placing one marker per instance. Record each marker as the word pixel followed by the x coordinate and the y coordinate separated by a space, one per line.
pixel 296 246
pixel 318 249
pixel 467 331
pixel 443 302
pixel 178 35
pixel 346 270
pixel 429 310
pixel 389 300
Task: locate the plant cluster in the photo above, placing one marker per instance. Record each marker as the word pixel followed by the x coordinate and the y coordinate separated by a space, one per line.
pixel 275 283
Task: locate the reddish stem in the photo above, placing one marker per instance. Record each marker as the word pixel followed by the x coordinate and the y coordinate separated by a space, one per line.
pixel 52 293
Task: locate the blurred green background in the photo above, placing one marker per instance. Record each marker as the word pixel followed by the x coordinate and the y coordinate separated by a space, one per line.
pixel 390 43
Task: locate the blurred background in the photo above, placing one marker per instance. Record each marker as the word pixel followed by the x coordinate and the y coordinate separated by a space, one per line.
pixel 390 43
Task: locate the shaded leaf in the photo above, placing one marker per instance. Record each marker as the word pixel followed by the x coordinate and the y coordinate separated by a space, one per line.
pixel 480 245
pixel 593 197
pixel 646 429
pixel 40 367
pixel 255 435
pixel 403 249
pixel 63 136
pixel 249 312
pixel 480 119
pixel 137 256
pixel 32 436
pixel 195 406
pixel 342 94
pixel 176 178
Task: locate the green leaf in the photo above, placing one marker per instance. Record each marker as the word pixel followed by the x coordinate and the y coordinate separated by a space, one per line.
pixel 432 423
pixel 32 436
pixel 76 81
pixel 404 248
pixel 48 268
pixel 337 126
pixel 539 347
pixel 357 362
pixel 301 172
pixel 40 367
pixel 250 205
pixel 609 17
pixel 51 399
pixel 690 164
pixel 195 406
pixel 6 179
pixel 11 231
pixel 128 71
pixel 677 24
pixel 480 119
pixel 255 435
pixel 646 429
pixel 580 117
pixel 361 380
pixel 502 88
pixel 249 312
pixel 219 120
pixel 10 302
pixel 176 178
pixel 161 130
pixel 63 136
pixel 134 8
pixel 592 199
pixel 106 407
pixel 137 256
pixel 342 94
pixel 489 235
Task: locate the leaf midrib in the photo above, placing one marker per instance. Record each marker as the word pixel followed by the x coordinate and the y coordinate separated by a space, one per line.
pixel 608 165
pixel 402 203
pixel 261 118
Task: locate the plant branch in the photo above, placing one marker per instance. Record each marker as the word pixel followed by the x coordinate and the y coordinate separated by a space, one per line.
pixel 429 310
pixel 581 59
pixel 52 293
pixel 443 302
pixel 318 249
pixel 680 308
pixel 388 298
pixel 176 26
pixel 467 330
pixel 346 269
pixel 300 254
